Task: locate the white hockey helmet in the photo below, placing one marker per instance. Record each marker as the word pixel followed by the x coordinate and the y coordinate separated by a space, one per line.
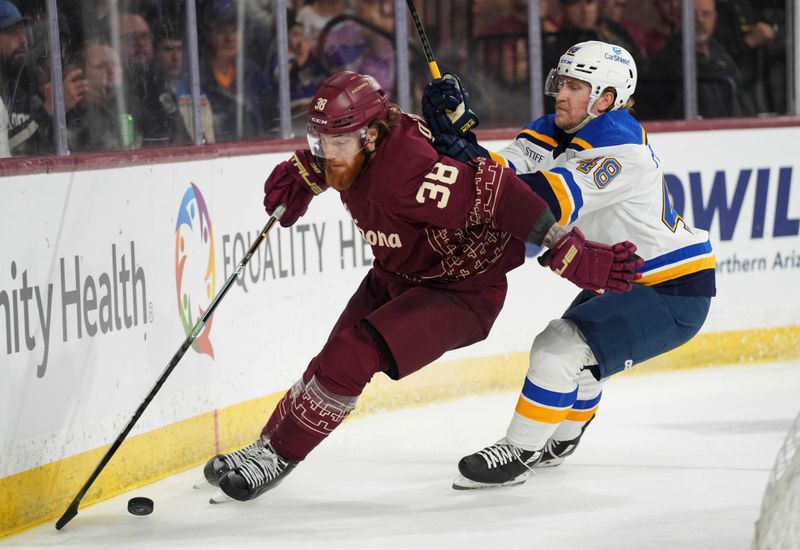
pixel 600 64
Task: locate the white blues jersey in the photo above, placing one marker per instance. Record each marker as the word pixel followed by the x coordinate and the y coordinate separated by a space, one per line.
pixel 606 180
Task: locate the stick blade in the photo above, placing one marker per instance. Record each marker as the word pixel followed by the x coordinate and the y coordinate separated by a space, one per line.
pixel 70 513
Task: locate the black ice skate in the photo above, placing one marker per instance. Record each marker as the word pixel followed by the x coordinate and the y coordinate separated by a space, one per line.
pixel 498 465
pixel 260 472
pixel 555 452
pixel 220 465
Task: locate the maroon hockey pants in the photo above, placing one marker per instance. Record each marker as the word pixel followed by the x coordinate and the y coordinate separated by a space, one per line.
pixel 397 329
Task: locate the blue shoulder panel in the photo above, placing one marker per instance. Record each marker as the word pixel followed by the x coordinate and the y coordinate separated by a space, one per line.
pixel 612 128
pixel 542 132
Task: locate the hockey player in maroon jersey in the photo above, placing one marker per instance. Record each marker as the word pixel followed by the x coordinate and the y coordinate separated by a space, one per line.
pixel 444 234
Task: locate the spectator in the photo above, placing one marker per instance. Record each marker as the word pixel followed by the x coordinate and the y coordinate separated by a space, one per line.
pixel 176 96
pixel 501 55
pixel 305 73
pixel 315 15
pixel 719 91
pixel 366 48
pixel 549 22
pixel 581 22
pixel 148 97
pixel 26 91
pixel 219 80
pixel 140 83
pixel 95 123
pixel 746 37
pixel 668 22
pixel 614 13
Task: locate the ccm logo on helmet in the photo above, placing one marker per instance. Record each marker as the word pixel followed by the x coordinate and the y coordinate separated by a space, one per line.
pixel 359 87
pixel 321 121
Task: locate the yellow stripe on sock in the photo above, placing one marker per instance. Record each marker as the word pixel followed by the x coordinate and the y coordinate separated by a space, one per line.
pixel 581 416
pixel 528 410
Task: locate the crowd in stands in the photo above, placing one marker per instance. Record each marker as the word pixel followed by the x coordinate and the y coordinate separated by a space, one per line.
pixel 126 72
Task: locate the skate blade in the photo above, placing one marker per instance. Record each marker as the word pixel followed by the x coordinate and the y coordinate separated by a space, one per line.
pixel 462 483
pixel 219 497
pixel 201 483
pixel 549 464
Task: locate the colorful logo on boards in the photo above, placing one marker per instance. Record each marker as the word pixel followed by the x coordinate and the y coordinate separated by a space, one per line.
pixel 195 276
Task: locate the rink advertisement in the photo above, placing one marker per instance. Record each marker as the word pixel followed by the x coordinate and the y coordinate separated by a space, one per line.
pixel 103 274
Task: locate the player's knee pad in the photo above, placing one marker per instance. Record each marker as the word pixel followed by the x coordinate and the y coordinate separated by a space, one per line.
pixel 557 356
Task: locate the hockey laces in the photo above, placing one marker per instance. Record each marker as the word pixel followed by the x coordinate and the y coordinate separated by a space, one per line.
pixel 238 457
pixel 499 454
pixel 261 467
pixel 550 448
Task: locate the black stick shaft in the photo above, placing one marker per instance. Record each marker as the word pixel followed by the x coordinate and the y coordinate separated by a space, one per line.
pixel 72 509
pixel 423 38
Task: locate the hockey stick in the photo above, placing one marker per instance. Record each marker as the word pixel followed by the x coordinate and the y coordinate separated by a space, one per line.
pixel 462 117
pixel 72 509
pixel 423 38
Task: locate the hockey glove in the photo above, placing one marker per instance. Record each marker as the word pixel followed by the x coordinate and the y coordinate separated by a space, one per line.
pixel 445 106
pixel 462 149
pixel 594 266
pixel 294 182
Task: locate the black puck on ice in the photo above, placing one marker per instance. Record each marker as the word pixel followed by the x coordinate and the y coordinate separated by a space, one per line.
pixel 140 506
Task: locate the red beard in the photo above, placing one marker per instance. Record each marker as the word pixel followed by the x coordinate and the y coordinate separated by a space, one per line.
pixel 340 175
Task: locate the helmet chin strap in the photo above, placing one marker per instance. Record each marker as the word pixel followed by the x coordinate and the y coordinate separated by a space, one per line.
pixel 584 122
pixel 590 116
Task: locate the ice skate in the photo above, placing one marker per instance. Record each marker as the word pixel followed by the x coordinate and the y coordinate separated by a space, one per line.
pixel 555 452
pixel 221 464
pixel 260 472
pixel 499 465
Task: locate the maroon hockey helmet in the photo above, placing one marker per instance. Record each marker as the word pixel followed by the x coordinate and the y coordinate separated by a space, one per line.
pixel 346 102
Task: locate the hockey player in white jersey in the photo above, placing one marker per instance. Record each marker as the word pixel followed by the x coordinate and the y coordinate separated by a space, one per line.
pixel 592 162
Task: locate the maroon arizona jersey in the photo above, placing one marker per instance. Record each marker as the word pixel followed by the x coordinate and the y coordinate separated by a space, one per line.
pixel 433 220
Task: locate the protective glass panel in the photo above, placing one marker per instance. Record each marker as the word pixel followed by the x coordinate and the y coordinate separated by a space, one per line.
pixel 118 93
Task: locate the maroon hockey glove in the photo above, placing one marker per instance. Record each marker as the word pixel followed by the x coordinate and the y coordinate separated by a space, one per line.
pixel 594 266
pixel 294 182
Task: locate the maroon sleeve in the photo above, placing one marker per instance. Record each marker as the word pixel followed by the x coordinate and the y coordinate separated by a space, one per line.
pixel 520 211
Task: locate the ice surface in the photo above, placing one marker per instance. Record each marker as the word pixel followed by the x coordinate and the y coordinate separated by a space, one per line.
pixel 674 461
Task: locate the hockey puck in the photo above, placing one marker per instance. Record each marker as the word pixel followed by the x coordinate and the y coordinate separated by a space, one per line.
pixel 140 506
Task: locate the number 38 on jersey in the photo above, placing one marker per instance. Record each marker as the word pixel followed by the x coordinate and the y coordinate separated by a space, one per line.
pixel 436 184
